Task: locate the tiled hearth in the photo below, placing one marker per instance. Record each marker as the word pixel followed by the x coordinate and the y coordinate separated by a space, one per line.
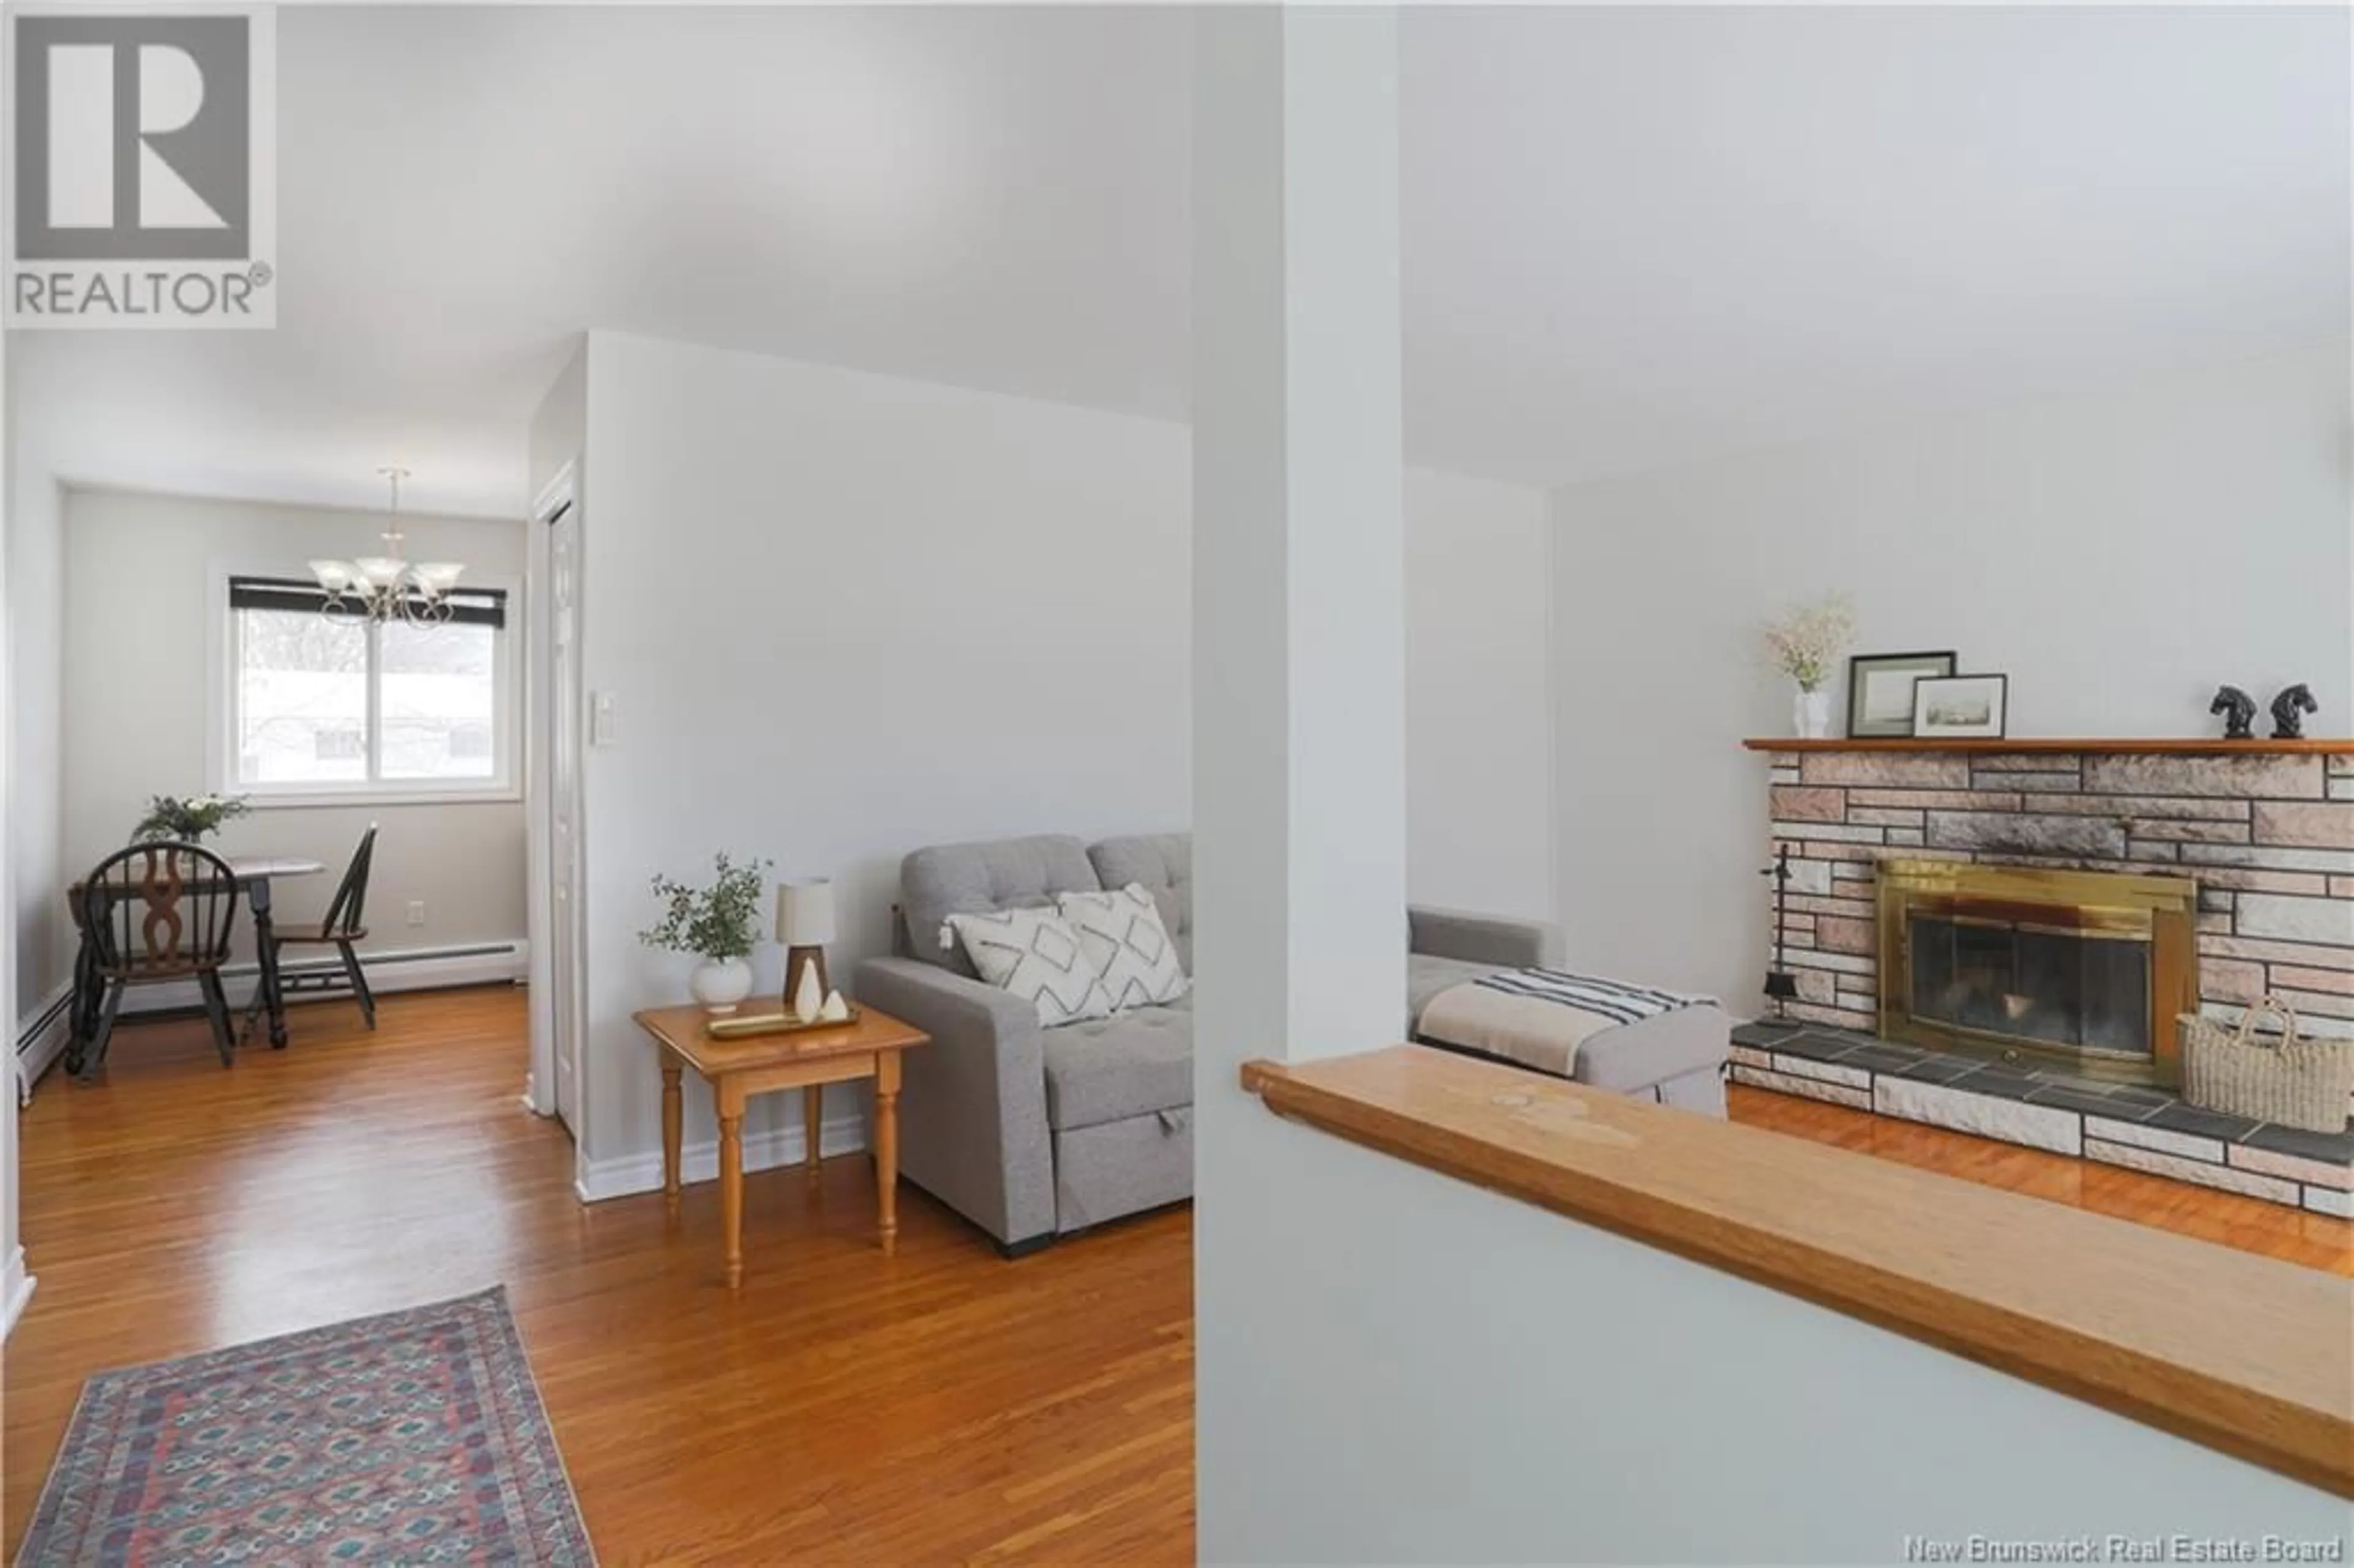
pixel 2116 1123
pixel 2258 836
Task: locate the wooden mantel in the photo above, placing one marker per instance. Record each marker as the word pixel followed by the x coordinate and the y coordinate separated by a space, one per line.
pixel 2212 745
pixel 2244 1354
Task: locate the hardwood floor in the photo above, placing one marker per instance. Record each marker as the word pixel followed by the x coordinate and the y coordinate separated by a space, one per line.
pixel 2316 1241
pixel 941 1405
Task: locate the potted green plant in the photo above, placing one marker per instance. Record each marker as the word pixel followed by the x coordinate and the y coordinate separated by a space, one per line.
pixel 189 821
pixel 717 924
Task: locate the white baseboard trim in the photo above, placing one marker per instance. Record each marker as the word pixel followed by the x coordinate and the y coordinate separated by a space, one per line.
pixel 15 1290
pixel 629 1174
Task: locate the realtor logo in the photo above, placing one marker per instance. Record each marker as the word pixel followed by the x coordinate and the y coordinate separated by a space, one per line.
pixel 142 189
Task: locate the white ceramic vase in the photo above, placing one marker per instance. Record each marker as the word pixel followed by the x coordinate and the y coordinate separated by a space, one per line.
pixel 809 997
pixel 1810 712
pixel 720 983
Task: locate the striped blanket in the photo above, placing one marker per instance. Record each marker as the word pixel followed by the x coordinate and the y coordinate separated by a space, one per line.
pixel 1539 1017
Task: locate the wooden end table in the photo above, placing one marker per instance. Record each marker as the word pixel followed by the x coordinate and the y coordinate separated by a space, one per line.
pixel 808 1060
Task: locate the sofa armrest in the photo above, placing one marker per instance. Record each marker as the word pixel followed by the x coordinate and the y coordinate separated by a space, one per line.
pixel 1481 940
pixel 973 1103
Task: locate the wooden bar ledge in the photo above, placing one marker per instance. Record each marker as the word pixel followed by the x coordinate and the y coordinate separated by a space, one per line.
pixel 2241 1353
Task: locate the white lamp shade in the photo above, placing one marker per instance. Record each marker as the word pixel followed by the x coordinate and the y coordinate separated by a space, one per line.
pixel 333 576
pixel 805 913
pixel 438 578
pixel 381 571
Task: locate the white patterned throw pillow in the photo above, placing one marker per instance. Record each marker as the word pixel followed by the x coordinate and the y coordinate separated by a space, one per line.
pixel 1131 948
pixel 1034 954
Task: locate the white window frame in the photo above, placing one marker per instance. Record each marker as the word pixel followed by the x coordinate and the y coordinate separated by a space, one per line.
pixel 504 784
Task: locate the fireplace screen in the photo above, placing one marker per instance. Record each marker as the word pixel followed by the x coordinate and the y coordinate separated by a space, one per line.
pixel 2080 989
pixel 2084 969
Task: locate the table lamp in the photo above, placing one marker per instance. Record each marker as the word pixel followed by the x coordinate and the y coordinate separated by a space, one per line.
pixel 805 924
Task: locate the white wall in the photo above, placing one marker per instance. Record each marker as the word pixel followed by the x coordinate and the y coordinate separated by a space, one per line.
pixel 2119 555
pixel 843 616
pixel 141 570
pixel 16 1282
pixel 1479 704
pixel 560 425
pixel 35 564
pixel 1443 1374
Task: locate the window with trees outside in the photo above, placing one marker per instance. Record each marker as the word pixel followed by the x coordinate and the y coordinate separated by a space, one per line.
pixel 330 704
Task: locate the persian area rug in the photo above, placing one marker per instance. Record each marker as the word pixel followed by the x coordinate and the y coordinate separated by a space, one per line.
pixel 413 1437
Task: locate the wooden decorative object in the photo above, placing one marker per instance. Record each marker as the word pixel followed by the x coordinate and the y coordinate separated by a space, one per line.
pixel 797 957
pixel 805 923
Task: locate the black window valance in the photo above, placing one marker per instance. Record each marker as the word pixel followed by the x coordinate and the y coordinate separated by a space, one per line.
pixel 468 606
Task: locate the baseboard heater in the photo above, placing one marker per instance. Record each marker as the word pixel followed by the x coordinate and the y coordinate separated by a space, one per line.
pixel 418 969
pixel 39 1039
pixel 49 1018
pixel 388 963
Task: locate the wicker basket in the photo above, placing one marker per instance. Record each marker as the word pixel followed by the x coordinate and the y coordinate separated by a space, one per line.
pixel 2294 1082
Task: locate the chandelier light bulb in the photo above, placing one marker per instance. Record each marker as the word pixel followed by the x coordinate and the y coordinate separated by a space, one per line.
pixel 387 587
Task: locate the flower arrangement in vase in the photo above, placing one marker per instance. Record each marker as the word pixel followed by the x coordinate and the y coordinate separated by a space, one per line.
pixel 189 821
pixel 1806 645
pixel 717 924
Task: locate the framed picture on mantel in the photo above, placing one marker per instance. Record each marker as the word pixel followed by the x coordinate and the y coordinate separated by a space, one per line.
pixel 1879 691
pixel 1962 707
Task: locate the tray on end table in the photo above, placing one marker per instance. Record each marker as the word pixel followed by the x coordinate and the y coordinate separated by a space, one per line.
pixel 740 1026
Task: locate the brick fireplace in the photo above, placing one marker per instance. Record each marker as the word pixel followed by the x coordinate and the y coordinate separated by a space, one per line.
pixel 2265 834
pixel 1997 938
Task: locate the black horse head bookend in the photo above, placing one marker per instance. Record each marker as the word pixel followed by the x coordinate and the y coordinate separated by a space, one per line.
pixel 2289 710
pixel 1780 983
pixel 2239 711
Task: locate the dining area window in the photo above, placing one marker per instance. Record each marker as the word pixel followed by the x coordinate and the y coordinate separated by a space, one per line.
pixel 335 705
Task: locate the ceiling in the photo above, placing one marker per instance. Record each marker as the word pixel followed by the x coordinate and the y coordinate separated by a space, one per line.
pixel 1632 237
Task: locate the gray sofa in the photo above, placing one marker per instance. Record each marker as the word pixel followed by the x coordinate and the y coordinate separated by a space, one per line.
pixel 1033 1133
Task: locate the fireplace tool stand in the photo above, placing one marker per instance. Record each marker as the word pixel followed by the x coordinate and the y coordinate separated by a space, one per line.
pixel 1780 983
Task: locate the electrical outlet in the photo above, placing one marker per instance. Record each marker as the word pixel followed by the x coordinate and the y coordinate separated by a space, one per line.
pixel 416 912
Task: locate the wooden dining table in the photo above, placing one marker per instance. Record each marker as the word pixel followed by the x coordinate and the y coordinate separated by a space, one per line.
pixel 254 874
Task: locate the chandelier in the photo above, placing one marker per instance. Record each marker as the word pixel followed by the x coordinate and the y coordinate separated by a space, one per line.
pixel 387 587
